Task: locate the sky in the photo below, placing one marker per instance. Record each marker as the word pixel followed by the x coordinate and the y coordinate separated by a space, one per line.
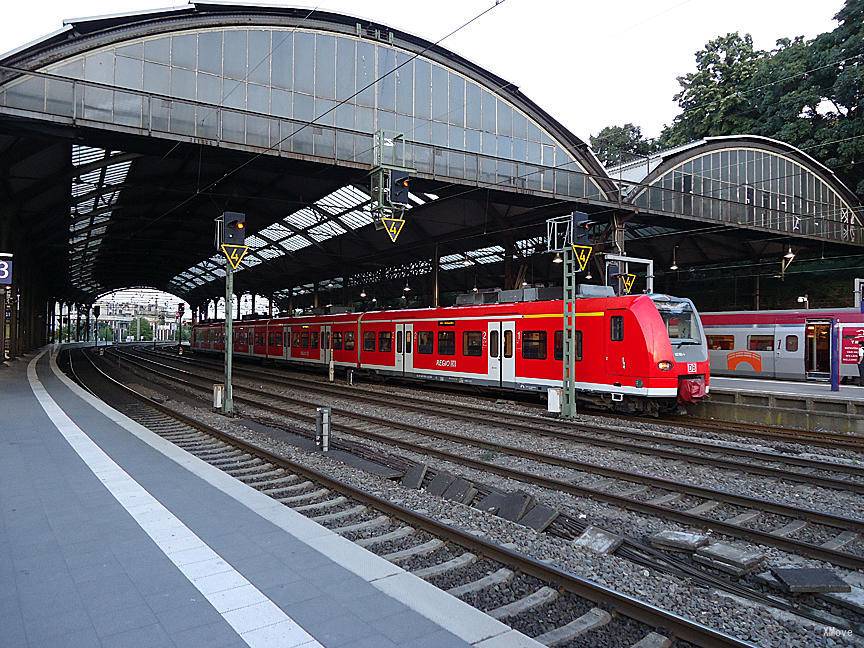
pixel 588 63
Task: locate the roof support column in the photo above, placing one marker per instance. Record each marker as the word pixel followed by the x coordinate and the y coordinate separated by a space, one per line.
pixel 3 326
pixel 436 262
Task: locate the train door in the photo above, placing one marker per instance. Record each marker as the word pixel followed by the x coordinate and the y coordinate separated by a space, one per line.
pixel 404 358
pixel 616 349
pixel 508 353
pixel 286 342
pixel 326 345
pixel 817 350
pixel 789 354
pixel 494 337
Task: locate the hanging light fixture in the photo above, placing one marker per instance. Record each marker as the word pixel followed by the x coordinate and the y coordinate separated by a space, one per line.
pixel 790 254
pixel 363 294
pixel 557 258
pixel 524 284
pixel 374 300
pixel 674 265
pixel 588 276
pixel 466 263
pixel 476 289
pixel 407 288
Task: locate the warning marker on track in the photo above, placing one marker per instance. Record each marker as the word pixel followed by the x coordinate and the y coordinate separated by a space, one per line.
pixel 234 254
pixel 393 226
pixel 582 254
pixel 628 279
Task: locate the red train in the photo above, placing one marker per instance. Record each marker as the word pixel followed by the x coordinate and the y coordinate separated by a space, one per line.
pixel 643 353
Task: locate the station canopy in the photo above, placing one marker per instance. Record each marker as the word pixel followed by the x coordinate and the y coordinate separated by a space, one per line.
pixel 125 136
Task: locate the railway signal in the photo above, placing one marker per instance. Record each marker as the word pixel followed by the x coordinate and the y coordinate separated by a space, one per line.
pixel 399 184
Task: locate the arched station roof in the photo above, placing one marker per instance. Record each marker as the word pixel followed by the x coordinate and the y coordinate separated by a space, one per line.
pixel 251 75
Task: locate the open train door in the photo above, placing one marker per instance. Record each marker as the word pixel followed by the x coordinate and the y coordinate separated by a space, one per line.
pixel 817 350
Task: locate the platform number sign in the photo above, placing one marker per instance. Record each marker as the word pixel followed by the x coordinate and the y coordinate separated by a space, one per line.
pixel 5 269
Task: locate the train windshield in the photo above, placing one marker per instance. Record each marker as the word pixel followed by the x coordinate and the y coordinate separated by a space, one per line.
pixel 680 320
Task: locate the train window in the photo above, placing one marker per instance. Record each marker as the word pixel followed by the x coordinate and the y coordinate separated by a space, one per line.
pixel 446 342
pixel 313 343
pixel 494 344
pixel 296 343
pixel 508 344
pixel 472 343
pixel 760 342
pixel 259 339
pixel 407 341
pixel 398 341
pixel 424 341
pixel 277 337
pixel 349 340
pixel 369 341
pixel 534 345
pixel 325 340
pixel 337 340
pixel 385 341
pixel 304 340
pixel 271 338
pixel 791 343
pixel 617 330
pixel 721 342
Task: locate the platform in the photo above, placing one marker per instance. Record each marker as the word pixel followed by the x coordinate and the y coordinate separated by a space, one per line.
pixel 111 536
pixel 810 406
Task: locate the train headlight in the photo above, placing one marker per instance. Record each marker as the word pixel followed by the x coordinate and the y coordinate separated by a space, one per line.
pixel 665 365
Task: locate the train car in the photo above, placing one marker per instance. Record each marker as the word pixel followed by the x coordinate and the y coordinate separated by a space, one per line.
pixel 641 353
pixel 783 344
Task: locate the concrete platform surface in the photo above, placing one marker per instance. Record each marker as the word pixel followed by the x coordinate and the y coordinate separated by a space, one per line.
pixel 111 536
pixel 763 386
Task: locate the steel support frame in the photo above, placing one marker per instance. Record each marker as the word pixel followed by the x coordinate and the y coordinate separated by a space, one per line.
pixel 568 396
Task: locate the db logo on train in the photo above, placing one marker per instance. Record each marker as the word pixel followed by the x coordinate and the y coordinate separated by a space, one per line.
pixel 691 367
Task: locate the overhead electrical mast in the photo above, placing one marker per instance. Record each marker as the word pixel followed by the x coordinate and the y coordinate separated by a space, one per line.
pixel 390 182
pixel 231 240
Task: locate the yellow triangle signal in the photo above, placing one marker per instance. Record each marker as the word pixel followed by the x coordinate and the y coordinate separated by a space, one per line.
pixel 582 254
pixel 628 280
pixel 234 254
pixel 393 226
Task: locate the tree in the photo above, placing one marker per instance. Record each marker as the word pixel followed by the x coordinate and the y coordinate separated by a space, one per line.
pixel 713 99
pixel 616 144
pixel 146 329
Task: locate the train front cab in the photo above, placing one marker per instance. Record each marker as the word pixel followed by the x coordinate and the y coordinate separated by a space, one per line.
pixel 683 331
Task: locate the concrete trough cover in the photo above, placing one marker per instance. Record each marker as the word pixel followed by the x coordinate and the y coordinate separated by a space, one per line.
pixel 853 600
pixel 414 476
pixel 598 540
pixel 515 505
pixel 678 540
pixel 440 483
pixel 719 565
pixel 461 490
pixel 746 559
pixel 539 517
pixel 810 579
pixel 492 503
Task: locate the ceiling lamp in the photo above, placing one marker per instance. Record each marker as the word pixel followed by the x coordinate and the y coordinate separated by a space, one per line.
pixel 557 258
pixel 674 265
pixel 407 288
pixel 363 294
pixel 790 254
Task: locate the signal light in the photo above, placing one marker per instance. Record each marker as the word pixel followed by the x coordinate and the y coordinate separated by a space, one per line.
pixel 234 228
pixel 400 181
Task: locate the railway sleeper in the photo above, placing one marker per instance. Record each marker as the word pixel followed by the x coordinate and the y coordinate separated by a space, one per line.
pixel 398 534
pixel 499 577
pixel 374 523
pixel 326 504
pixel 305 497
pixel 542 596
pixel 291 488
pixel 591 620
pixel 653 640
pixel 339 515
pixel 459 562
pixel 418 550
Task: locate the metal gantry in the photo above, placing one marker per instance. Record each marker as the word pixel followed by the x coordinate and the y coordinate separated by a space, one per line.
pixel 568 396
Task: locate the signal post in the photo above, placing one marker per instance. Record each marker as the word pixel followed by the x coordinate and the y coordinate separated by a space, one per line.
pixel 231 240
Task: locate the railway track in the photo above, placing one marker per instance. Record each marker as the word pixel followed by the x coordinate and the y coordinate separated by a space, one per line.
pixel 553 606
pixel 703 507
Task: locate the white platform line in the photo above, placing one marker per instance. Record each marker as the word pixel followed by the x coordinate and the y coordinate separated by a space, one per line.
pixel 259 622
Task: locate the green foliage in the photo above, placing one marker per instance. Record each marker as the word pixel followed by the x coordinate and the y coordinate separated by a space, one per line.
pixel 146 329
pixel 617 144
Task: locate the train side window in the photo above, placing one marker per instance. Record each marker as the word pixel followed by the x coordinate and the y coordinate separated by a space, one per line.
pixel 369 341
pixel 558 346
pixel 337 340
pixel 494 344
pixel 327 340
pixel 424 342
pixel 385 341
pixel 791 343
pixel 508 344
pixel 721 342
pixel 259 339
pixel 617 328
pixel 313 344
pixel 446 342
pixel 398 341
pixel 304 340
pixel 277 339
pixel 349 340
pixel 296 343
pixel 534 345
pixel 271 339
pixel 407 341
pixel 472 343
pixel 760 342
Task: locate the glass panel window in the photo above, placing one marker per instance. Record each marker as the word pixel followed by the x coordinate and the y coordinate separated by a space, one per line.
pixel 278 338
pixel 617 328
pixel 508 344
pixel 337 340
pixel 282 60
pixel 721 342
pixel 534 345
pixel 398 341
pixel 325 66
pixel 559 345
pixel 157 50
pixel 304 62
pixel 385 341
pixel 494 344
pixel 304 340
pixel 259 56
pixel 446 342
pixel 296 342
pixel 210 52
pixel 472 343
pixel 236 65
pixel 183 50
pixel 313 342
pixel 407 341
pixel 369 341
pixel 344 68
pixel 424 342
pixel 422 89
pixel 439 93
pixel 349 340
pixel 760 342
pixel 791 343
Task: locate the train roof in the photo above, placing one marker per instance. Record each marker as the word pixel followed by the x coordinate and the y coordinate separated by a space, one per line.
pixel 788 316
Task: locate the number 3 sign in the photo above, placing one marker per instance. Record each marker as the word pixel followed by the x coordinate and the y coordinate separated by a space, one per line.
pixel 5 269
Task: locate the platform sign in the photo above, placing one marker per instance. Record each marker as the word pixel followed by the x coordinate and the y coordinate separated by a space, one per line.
pixel 5 269
pixel 851 339
pixel 628 279
pixel 582 254
pixel 393 226
pixel 234 254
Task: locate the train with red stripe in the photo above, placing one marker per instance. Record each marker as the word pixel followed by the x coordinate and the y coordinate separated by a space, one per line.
pixel 784 344
pixel 640 353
